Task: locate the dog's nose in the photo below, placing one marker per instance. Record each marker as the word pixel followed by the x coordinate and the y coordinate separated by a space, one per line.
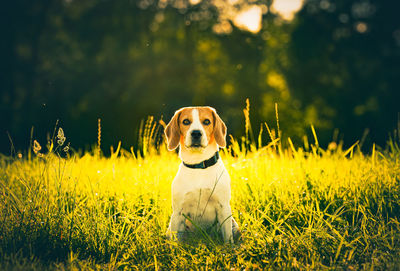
pixel 196 134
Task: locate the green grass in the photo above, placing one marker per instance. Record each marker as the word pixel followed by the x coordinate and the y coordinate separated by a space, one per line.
pixel 297 209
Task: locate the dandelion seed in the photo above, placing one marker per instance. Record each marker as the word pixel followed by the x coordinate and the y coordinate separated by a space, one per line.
pixel 332 146
pixel 66 148
pixel 60 136
pixel 36 147
pixel 61 141
pixel 60 133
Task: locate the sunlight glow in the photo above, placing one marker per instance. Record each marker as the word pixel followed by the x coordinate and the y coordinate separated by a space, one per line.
pixel 246 16
pixel 249 19
pixel 223 27
pixel 194 2
pixel 361 27
pixel 287 8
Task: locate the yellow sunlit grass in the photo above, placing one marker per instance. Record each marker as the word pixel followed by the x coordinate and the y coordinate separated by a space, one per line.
pixel 295 207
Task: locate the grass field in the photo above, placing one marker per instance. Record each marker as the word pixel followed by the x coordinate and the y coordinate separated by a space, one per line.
pixel 298 208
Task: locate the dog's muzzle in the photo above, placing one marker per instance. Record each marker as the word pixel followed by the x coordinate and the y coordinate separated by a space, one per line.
pixel 196 138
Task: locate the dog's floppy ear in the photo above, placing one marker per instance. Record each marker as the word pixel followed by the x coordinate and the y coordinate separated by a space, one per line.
pixel 172 132
pixel 219 130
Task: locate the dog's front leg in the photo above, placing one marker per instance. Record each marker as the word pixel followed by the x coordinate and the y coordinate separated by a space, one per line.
pixel 224 216
pixel 176 226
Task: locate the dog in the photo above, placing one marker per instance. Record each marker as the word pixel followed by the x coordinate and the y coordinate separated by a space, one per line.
pixel 201 189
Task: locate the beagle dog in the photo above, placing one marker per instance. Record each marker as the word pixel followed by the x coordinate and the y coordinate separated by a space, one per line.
pixel 201 189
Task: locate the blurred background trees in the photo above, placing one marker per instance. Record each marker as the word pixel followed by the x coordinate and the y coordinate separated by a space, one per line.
pixel 334 64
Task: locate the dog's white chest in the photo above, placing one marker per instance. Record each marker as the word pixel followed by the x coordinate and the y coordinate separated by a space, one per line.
pixel 200 193
pixel 200 206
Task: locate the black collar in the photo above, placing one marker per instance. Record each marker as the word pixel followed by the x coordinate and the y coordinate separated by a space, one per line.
pixel 206 163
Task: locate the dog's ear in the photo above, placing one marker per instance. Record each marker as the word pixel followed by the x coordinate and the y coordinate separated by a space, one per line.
pixel 172 132
pixel 219 130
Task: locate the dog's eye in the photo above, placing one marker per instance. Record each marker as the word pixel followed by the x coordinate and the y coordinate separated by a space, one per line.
pixel 206 122
pixel 186 122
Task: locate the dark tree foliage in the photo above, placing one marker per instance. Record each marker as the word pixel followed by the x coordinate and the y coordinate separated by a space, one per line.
pixel 345 61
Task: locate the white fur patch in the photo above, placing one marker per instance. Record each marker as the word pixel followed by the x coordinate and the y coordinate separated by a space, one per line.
pixel 196 125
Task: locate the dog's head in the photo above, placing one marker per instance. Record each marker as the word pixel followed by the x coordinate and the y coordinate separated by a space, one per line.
pixel 195 128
